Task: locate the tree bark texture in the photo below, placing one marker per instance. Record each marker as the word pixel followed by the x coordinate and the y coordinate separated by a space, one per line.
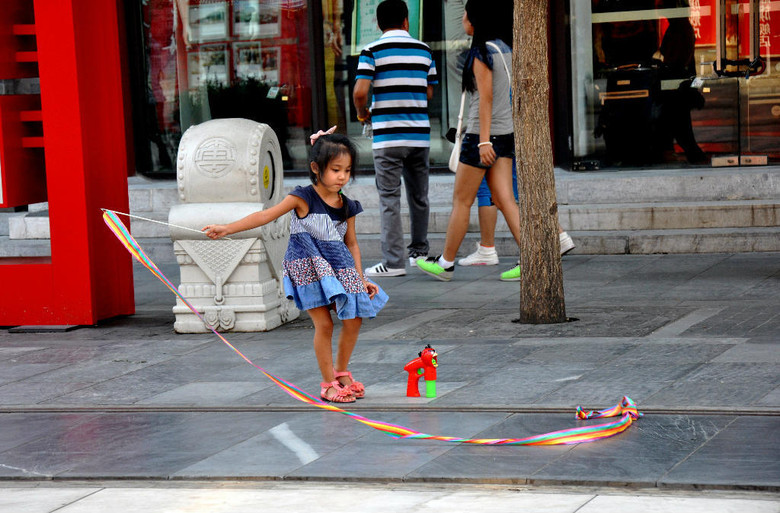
pixel 541 285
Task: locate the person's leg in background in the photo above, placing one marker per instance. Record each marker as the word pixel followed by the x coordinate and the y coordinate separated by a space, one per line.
pixel 487 214
pixel 415 173
pixel 388 165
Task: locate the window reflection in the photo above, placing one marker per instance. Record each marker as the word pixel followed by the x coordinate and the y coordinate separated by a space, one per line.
pixel 348 26
pixel 216 59
pixel 207 59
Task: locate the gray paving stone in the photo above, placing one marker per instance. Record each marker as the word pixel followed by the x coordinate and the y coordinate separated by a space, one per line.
pixel 30 392
pixel 274 453
pixel 659 442
pixel 505 464
pixel 208 393
pixel 772 399
pixel 722 384
pixel 137 445
pixel 680 333
pixel 14 371
pixel 743 454
pixel 750 353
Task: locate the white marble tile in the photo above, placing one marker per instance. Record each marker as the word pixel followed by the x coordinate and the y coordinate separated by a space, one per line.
pixel 656 504
pixel 272 497
pixel 40 500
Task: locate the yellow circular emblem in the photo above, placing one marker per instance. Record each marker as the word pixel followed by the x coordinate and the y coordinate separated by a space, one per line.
pixel 266 177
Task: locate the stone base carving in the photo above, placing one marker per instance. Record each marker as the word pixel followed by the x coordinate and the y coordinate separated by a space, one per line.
pixel 230 283
pixel 225 170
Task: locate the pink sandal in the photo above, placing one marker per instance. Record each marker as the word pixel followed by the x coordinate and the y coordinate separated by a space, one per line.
pixel 343 394
pixel 356 387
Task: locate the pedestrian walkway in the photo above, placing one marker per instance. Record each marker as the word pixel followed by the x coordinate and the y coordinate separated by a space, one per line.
pixel 691 338
pixel 275 497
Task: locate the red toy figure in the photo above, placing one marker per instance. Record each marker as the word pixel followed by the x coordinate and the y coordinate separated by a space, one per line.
pixel 425 367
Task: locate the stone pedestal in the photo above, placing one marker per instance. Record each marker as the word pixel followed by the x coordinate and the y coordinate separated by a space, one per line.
pixel 226 169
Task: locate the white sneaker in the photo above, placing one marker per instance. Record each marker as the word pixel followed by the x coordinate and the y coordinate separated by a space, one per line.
pixel 413 258
pixel 482 256
pixel 380 270
pixel 566 243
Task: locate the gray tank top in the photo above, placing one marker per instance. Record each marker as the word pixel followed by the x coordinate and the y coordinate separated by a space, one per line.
pixel 501 120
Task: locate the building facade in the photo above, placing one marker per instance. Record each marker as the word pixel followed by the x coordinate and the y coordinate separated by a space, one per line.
pixel 92 91
pixel 635 83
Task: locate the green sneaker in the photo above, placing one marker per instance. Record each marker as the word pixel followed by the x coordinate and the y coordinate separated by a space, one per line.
pixel 430 265
pixel 511 275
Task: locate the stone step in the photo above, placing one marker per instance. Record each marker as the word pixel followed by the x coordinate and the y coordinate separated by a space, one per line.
pixel 672 215
pixel 673 185
pixel 668 186
pixel 620 242
pixel 619 216
pixel 609 242
pixel 24 248
pixel 4 221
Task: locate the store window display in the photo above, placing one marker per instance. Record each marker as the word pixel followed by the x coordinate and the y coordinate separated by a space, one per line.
pixel 209 59
pixel 288 63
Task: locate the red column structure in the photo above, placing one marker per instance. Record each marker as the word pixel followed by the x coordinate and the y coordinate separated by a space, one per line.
pixel 22 173
pixel 89 275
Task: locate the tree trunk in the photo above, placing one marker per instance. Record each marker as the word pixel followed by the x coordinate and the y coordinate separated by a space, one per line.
pixel 541 285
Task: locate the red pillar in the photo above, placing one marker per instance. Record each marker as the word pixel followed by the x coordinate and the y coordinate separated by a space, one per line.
pixel 89 275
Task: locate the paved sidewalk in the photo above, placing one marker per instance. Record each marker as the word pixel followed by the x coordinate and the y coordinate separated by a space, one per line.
pixel 691 338
pixel 286 497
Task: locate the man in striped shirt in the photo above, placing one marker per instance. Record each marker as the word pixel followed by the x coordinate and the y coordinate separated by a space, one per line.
pixel 402 73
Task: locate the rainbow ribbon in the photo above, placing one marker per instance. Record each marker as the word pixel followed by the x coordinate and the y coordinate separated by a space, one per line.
pixel 625 409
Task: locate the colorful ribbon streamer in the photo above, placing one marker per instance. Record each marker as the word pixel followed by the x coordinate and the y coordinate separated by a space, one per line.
pixel 625 409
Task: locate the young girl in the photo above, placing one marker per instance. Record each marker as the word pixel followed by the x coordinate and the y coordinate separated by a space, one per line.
pixel 322 270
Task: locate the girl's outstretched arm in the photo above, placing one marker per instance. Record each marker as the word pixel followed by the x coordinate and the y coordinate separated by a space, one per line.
pixel 350 239
pixel 259 218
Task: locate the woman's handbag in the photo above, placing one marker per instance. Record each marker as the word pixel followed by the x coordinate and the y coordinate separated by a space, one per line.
pixel 455 155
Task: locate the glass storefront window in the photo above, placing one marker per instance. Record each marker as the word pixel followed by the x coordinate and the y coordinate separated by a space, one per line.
pixel 209 59
pixel 350 25
pixel 674 83
pixel 288 63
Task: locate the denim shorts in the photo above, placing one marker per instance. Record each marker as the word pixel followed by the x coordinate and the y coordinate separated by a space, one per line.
pixel 503 145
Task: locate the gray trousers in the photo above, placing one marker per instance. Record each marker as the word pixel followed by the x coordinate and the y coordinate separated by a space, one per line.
pixel 390 165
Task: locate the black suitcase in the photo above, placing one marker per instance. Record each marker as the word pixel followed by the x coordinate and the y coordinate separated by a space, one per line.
pixel 629 113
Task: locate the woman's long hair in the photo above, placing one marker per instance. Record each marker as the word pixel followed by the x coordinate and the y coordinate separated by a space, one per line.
pixel 491 20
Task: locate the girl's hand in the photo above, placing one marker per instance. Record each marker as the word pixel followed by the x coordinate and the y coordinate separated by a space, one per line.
pixel 487 155
pixel 371 288
pixel 215 231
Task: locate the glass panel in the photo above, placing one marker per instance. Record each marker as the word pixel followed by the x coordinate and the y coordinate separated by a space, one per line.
pixel 633 69
pixel 211 59
pixel 647 91
pixel 205 59
pixel 347 27
pixel 760 94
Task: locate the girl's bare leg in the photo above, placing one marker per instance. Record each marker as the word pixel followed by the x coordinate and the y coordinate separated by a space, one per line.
pixel 323 337
pixel 350 329
pixel 488 216
pixel 499 179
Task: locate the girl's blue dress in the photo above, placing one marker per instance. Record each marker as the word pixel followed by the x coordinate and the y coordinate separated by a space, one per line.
pixel 318 268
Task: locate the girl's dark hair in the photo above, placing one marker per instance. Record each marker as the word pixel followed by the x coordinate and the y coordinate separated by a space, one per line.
pixel 326 148
pixel 491 20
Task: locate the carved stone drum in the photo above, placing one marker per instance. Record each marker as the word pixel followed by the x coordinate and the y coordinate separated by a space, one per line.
pixel 226 169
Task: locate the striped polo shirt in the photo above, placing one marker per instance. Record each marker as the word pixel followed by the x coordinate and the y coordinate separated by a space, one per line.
pixel 401 68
